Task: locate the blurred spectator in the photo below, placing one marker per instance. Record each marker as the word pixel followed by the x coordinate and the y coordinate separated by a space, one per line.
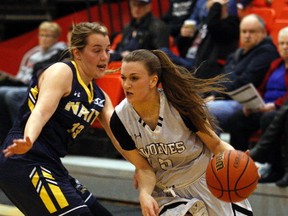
pixel 274 90
pixel 209 46
pixel 236 6
pixel 221 40
pixel 200 11
pixel 143 32
pixel 12 98
pixel 48 47
pixel 272 148
pixel 248 64
pixel 178 12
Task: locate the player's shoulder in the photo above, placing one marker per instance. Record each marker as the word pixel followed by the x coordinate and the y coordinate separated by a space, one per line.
pixel 60 69
pixel 123 105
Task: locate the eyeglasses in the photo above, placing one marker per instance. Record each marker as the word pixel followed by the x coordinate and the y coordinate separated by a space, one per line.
pixel 46 35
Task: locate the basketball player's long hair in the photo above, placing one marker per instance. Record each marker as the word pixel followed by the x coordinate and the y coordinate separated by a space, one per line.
pixel 182 89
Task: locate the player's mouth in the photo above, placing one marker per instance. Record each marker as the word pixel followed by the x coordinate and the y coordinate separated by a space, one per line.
pixel 128 93
pixel 102 66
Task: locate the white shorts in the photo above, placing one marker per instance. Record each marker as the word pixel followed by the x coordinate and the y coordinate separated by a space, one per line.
pixel 200 191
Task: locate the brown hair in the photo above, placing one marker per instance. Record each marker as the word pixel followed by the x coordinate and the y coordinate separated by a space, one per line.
pixel 81 31
pixel 182 89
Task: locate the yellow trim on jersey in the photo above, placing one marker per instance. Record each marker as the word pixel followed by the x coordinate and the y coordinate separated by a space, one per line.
pixel 47 201
pixel 52 188
pixel 89 92
pixel 47 175
pixel 58 195
pixel 32 97
pixel 35 179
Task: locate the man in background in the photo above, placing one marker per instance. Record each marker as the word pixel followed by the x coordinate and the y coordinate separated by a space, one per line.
pixel 248 64
pixel 145 31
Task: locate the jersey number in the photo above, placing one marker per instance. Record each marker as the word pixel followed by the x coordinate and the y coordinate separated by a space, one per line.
pixel 77 128
pixel 165 164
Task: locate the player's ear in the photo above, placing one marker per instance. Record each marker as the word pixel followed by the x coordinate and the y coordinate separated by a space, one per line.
pixel 153 81
pixel 76 54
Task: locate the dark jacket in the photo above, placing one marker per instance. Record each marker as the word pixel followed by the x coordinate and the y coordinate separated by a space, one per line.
pixel 152 33
pixel 250 67
pixel 221 39
pixel 178 12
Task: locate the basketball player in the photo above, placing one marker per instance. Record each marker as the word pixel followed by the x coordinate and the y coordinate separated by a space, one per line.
pixel 167 134
pixel 63 101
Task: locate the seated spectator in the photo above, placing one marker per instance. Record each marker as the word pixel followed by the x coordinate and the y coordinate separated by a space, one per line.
pixel 12 98
pixel 200 11
pixel 143 32
pixel 248 64
pixel 274 90
pixel 178 12
pixel 272 148
pixel 216 38
pixel 186 37
pixel 49 47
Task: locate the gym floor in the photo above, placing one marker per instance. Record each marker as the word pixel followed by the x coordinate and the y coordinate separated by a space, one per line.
pixel 115 207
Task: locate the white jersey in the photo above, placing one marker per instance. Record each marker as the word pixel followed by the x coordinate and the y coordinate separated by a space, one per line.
pixel 177 155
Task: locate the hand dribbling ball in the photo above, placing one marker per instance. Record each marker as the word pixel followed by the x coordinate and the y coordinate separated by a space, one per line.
pixel 232 176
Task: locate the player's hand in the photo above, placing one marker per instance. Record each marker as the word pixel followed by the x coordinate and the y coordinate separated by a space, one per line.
pixel 268 107
pixel 19 146
pixel 149 206
pixel 247 152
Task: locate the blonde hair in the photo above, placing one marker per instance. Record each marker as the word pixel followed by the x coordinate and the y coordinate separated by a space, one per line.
pixel 51 26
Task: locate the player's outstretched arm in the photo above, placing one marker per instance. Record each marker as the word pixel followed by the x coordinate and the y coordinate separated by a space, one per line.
pixel 53 83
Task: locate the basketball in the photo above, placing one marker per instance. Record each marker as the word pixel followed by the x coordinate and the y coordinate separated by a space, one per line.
pixel 232 176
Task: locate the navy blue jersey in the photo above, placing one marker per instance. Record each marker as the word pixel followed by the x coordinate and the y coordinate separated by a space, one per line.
pixel 74 114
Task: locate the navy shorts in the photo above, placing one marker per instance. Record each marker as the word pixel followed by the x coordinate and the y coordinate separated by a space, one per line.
pixel 40 185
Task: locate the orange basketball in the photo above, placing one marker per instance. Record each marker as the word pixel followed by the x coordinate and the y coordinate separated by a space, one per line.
pixel 232 176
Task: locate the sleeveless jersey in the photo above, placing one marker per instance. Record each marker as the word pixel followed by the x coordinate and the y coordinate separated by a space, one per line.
pixel 176 154
pixel 74 114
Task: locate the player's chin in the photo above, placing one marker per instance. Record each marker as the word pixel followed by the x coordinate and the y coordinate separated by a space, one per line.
pixel 130 97
pixel 100 72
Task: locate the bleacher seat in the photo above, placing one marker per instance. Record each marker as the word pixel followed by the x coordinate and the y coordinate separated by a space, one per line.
pixel 278 5
pixel 277 25
pixel 260 3
pixel 283 14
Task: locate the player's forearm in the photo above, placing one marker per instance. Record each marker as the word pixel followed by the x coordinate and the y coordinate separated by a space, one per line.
pixel 34 126
pixel 146 180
